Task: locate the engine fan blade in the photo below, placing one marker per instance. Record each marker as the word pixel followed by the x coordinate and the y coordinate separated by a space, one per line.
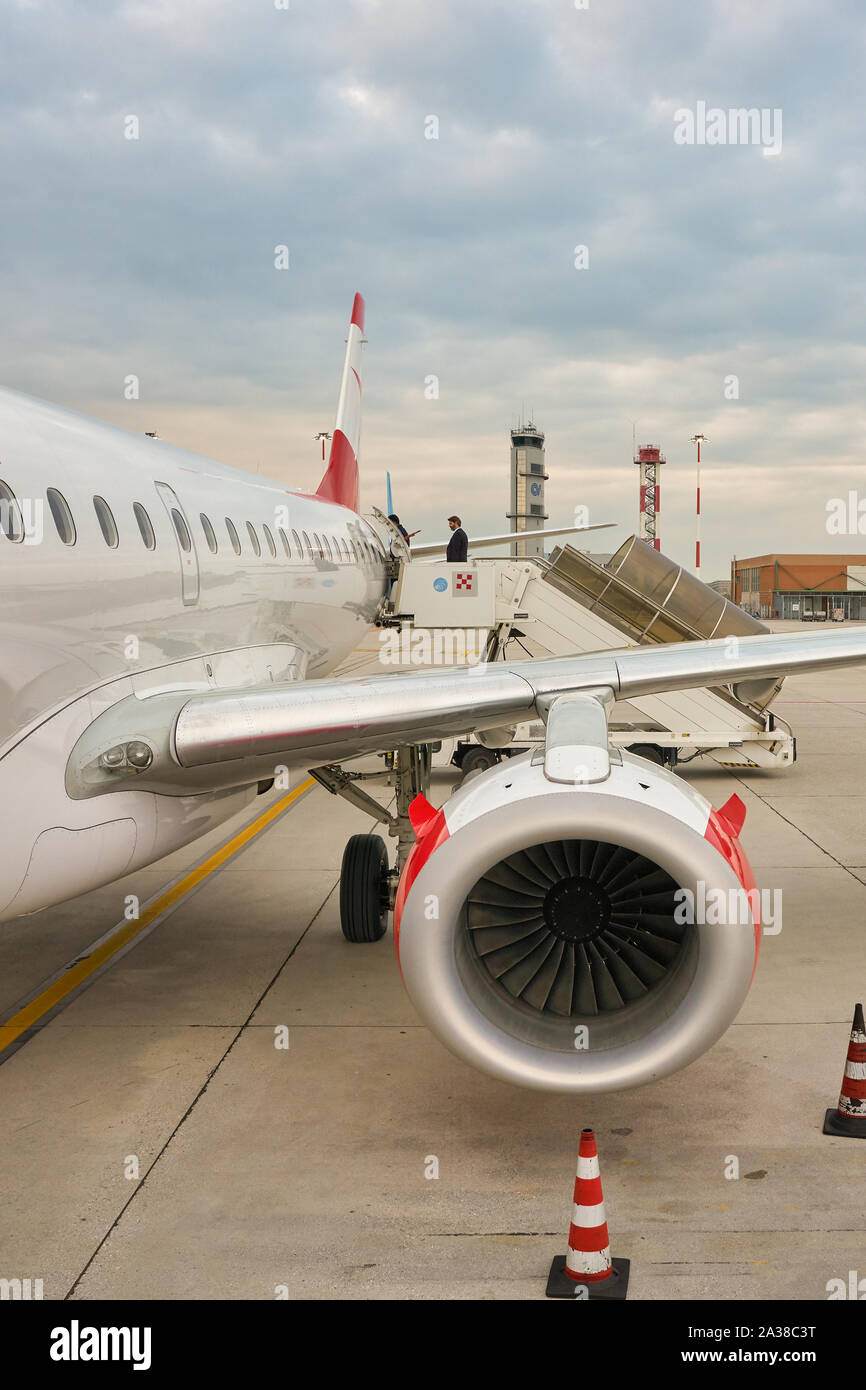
pixel 500 961
pixel 532 979
pixel 487 938
pixel 537 992
pixel 562 991
pixel 575 927
pixel 606 993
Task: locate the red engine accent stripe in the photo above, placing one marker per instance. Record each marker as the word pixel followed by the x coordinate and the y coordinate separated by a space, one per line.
pixel 433 833
pixel 718 832
pixel 733 813
pixel 421 813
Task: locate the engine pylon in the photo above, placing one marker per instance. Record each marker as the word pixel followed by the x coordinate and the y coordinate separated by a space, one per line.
pixel 587 1270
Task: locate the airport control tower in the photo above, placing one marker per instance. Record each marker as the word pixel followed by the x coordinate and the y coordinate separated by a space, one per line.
pixel 528 477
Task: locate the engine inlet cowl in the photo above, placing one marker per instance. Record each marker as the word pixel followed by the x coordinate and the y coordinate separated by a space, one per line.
pixel 558 959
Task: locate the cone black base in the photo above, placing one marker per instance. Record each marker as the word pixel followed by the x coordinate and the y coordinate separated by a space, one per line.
pixel 609 1290
pixel 845 1126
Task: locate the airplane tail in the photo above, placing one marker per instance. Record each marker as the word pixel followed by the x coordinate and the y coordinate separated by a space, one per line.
pixel 340 483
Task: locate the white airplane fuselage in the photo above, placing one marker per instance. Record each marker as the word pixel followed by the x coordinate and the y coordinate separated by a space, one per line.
pixel 87 623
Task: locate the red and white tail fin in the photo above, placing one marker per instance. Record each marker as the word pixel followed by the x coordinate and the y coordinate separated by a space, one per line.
pixel 340 483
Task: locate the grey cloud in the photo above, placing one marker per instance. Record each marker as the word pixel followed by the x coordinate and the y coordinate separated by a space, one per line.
pixel 261 127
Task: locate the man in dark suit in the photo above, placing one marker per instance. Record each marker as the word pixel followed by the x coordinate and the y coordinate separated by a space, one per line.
pixel 458 545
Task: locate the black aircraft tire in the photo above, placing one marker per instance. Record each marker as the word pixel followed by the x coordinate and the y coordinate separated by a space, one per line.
pixel 363 889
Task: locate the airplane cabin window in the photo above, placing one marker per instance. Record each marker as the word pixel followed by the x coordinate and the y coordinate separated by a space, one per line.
pixel 319 550
pixel 285 540
pixel 256 544
pixel 270 540
pixel 144 525
pixel 209 533
pixel 62 515
pixel 327 545
pixel 233 536
pixel 308 547
pixel 182 530
pixel 107 524
pixel 10 514
pixel 345 548
pixel 296 538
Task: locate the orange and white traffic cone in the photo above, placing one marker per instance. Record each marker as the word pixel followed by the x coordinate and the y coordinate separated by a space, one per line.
pixel 849 1117
pixel 588 1271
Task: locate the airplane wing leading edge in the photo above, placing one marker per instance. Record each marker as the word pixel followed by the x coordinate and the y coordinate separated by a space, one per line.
pixel 326 720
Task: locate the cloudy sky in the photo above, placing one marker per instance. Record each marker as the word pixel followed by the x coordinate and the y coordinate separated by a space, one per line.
pixel 304 123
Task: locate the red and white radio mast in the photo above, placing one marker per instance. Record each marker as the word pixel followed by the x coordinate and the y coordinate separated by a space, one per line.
pixel 698 439
pixel 650 460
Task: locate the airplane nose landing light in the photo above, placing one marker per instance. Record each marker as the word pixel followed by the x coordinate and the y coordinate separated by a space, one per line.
pixel 137 755
pixel 113 758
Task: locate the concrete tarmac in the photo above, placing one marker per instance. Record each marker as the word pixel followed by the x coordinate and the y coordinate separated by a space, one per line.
pixel 158 1144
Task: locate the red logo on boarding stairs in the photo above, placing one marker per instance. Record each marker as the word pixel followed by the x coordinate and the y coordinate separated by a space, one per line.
pixel 464 582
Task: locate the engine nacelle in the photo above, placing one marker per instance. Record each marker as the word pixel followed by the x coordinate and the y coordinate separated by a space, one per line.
pixel 543 931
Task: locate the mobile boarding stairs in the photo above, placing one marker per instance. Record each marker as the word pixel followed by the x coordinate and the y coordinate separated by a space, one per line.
pixel 570 604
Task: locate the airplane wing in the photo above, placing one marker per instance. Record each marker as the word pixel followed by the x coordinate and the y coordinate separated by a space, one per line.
pixel 220 737
pixel 330 719
pixel 479 542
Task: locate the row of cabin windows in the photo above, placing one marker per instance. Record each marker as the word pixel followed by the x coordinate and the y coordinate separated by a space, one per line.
pixel 330 548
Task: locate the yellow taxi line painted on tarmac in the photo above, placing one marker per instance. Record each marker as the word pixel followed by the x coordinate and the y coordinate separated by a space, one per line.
pixel 30 1014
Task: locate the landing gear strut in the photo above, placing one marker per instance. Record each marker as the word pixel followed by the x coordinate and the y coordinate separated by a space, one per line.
pixel 368 887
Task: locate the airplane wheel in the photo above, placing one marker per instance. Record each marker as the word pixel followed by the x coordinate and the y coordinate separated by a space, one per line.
pixel 364 889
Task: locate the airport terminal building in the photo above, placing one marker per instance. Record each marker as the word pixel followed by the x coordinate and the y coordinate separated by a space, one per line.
pixel 809 587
